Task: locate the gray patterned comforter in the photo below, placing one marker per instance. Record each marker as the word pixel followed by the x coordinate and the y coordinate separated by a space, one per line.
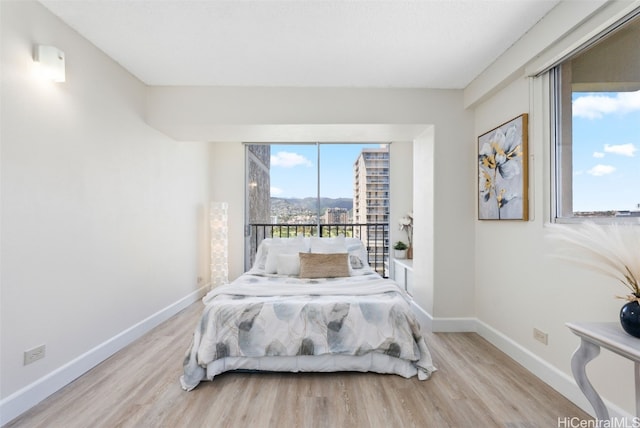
pixel 259 315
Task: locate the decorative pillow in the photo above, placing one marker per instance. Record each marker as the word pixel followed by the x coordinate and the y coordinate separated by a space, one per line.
pixel 355 262
pixel 324 265
pixel 328 245
pixel 358 256
pixel 288 264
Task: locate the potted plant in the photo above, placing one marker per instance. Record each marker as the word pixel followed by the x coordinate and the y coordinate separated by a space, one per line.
pixel 400 250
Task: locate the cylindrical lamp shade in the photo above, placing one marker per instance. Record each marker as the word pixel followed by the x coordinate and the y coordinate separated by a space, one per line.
pixel 219 241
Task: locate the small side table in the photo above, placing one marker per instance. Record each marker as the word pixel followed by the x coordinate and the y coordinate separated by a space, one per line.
pixel 608 335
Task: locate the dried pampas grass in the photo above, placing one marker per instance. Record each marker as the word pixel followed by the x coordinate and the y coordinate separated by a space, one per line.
pixel 613 250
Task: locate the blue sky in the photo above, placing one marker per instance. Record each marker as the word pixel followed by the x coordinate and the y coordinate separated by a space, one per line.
pixel 606 151
pixel 294 172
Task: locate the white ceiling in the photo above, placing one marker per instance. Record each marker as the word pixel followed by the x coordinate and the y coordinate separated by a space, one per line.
pixel 308 43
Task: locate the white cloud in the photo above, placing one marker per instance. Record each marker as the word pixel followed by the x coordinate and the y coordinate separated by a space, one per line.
pixel 600 170
pixel 598 154
pixel 275 191
pixel 594 106
pixel 621 149
pixel 289 160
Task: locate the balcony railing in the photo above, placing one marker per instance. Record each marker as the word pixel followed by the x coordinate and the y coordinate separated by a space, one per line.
pixel 375 237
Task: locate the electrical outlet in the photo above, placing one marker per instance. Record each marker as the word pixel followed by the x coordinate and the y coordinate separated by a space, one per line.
pixel 34 354
pixel 540 336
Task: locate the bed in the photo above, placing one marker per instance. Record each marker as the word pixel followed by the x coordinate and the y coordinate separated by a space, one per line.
pixel 307 304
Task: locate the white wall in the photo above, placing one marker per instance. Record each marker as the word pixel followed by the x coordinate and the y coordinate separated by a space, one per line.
pixel 102 216
pixel 518 286
pixel 424 222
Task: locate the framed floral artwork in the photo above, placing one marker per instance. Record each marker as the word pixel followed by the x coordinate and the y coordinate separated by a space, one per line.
pixel 502 172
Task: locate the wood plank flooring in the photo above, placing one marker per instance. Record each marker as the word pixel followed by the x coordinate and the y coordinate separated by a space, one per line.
pixel 475 386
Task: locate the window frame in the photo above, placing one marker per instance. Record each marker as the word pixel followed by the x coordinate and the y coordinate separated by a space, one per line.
pixel 561 135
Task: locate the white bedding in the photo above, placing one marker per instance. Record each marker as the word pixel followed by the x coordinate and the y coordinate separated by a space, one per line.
pixel 276 323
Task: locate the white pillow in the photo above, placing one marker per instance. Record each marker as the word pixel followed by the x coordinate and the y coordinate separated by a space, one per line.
pixel 296 241
pixel 358 256
pixel 288 264
pixel 261 254
pixel 328 245
pixel 263 249
pixel 292 247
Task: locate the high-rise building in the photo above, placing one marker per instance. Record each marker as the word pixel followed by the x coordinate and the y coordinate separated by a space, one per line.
pixel 258 194
pixel 336 216
pixel 371 200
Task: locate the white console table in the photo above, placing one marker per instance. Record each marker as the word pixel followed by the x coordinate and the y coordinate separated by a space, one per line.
pixel 608 335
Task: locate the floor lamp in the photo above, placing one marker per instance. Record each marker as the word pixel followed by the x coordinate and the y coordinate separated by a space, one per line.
pixel 219 241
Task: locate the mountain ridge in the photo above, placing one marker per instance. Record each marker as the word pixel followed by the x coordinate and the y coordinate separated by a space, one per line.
pixel 311 203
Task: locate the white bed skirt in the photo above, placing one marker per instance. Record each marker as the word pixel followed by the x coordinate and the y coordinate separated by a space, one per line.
pixel 371 362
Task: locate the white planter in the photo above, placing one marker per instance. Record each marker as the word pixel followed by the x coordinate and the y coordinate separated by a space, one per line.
pixel 400 254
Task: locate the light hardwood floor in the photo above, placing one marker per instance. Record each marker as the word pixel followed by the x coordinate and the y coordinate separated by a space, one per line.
pixel 475 386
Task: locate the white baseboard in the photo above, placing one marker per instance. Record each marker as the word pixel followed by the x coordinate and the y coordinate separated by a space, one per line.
pixel 24 399
pixel 424 318
pixel 551 375
pixel 443 325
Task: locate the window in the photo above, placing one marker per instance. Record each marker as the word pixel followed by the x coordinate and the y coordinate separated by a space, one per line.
pixel 319 189
pixel 596 95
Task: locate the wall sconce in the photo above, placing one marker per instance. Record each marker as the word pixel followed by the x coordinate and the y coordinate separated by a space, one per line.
pixel 50 62
pixel 219 243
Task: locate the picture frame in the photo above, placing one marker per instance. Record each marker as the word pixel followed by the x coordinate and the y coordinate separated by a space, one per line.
pixel 503 171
